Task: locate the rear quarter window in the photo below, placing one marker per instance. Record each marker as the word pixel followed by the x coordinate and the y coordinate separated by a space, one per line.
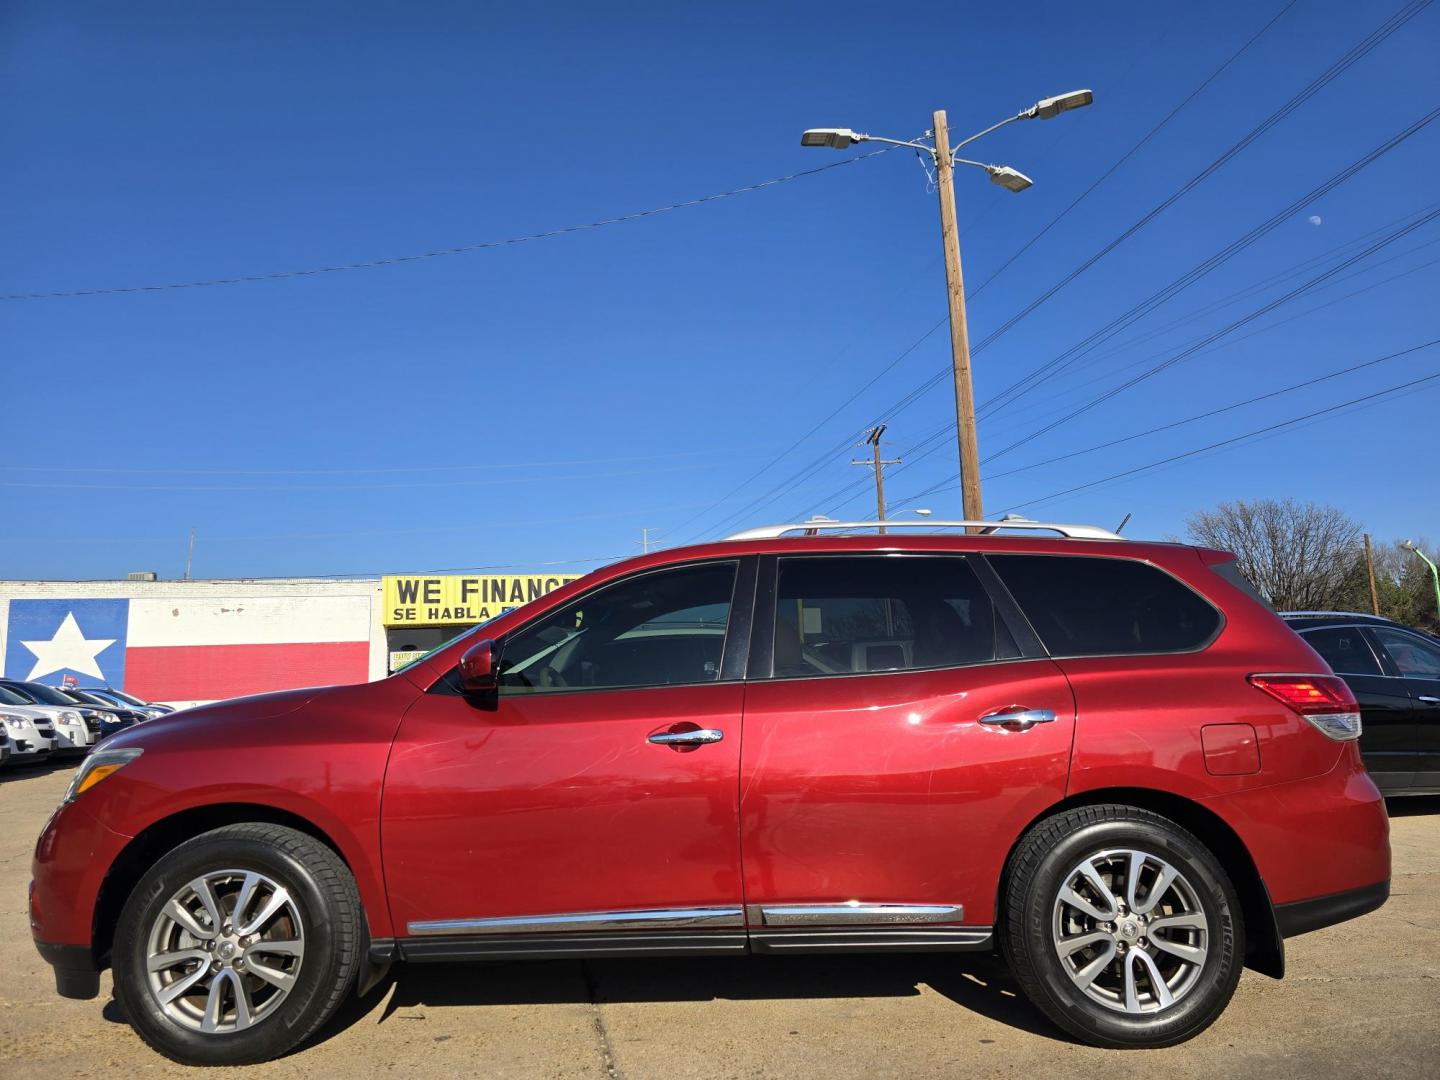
pixel 1095 606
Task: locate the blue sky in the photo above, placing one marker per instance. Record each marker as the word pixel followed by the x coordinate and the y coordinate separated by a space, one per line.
pixel 542 403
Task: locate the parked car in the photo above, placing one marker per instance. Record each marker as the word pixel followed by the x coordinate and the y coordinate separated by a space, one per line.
pixel 89 696
pixel 124 700
pixel 69 728
pixel 1107 758
pixel 31 739
pixel 107 721
pixel 1394 672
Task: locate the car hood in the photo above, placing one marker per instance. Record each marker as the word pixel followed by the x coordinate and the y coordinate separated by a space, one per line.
pixel 234 710
pixel 37 712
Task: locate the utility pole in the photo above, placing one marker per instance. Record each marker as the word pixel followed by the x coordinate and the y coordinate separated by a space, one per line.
pixel 878 464
pixel 939 151
pixel 645 541
pixel 974 508
pixel 190 556
pixel 1370 569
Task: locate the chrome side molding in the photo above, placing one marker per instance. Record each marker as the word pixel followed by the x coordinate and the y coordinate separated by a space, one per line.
pixel 852 913
pixel 651 918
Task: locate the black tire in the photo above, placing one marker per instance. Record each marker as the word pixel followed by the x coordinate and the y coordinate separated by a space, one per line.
pixel 320 885
pixel 1037 871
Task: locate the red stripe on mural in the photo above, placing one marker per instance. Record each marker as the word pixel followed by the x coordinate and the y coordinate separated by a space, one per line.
pixel 208 672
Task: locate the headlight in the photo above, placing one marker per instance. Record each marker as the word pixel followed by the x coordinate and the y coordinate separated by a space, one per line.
pixel 70 718
pixel 99 765
pixel 16 722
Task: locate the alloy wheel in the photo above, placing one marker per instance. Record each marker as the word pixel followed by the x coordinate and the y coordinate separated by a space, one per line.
pixel 1130 931
pixel 224 951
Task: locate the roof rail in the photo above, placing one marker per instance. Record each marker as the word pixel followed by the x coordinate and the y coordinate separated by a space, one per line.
pixel 1327 614
pixel 818 525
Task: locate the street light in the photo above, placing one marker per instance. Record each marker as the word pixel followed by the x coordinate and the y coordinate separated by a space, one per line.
pixel 944 158
pixel 1413 548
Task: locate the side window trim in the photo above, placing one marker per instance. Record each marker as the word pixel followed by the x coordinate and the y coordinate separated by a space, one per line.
pixel 741 603
pixel 762 638
pixel 735 653
pixel 762 641
pixel 1026 639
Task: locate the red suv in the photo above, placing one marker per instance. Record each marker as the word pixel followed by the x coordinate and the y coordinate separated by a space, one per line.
pixel 1108 759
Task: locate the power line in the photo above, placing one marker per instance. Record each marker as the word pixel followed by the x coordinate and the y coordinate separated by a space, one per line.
pixel 1407 12
pixel 407 485
pixel 1196 273
pixel 1264 309
pixel 358 470
pixel 463 249
pixel 1214 412
pixel 1224 442
pixel 809 470
pixel 914 455
pixel 1358 51
pixel 1139 145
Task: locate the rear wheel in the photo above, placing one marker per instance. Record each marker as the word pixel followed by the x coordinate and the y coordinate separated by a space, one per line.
pixel 1122 927
pixel 237 945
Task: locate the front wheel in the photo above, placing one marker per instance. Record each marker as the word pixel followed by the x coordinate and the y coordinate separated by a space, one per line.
pixel 237 945
pixel 1122 927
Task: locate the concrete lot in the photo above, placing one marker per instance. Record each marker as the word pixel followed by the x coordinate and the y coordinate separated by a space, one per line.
pixel 1362 998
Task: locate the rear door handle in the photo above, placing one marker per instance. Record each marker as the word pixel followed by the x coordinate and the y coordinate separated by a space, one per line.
pixel 1019 719
pixel 698 737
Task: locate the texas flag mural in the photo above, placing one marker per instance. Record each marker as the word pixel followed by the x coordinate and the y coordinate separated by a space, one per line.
pixel 195 649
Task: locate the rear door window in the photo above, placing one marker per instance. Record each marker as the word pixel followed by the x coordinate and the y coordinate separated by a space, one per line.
pixel 846 615
pixel 1345 649
pixel 1088 606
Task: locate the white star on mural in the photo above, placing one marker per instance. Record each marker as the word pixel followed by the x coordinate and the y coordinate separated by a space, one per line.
pixel 67 650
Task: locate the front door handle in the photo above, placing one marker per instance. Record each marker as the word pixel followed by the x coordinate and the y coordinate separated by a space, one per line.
pixel 1019 719
pixel 697 737
pixel 1430 699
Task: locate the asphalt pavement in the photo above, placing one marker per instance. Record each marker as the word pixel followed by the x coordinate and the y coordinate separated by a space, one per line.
pixel 1361 999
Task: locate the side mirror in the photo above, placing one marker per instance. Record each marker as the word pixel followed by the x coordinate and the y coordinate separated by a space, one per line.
pixel 477 667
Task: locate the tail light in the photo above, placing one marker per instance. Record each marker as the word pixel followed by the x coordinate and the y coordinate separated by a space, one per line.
pixel 1324 700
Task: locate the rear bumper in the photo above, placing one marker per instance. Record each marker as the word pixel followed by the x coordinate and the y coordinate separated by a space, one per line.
pixel 1302 916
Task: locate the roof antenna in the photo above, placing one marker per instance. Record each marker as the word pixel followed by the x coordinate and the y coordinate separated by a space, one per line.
pixel 1123 522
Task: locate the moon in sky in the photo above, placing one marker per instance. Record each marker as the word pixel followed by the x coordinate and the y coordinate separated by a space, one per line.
pixel 1315 219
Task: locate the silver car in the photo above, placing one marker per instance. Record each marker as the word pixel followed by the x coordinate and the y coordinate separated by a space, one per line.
pixel 31 739
pixel 73 732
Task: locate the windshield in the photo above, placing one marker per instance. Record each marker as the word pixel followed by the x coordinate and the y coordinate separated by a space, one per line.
pixel 120 695
pixel 90 699
pixel 9 697
pixel 48 694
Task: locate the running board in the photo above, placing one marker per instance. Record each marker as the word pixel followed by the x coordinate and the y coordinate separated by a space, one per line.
pixel 873 939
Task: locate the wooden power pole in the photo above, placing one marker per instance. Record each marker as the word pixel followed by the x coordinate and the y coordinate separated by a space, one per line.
pixel 878 463
pixel 959 331
pixel 1370 568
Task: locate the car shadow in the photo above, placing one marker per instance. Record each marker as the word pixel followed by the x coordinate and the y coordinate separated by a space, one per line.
pixel 20 770
pixel 1412 805
pixel 978 983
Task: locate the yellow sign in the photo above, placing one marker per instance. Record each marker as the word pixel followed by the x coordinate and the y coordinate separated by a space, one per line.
pixel 445 600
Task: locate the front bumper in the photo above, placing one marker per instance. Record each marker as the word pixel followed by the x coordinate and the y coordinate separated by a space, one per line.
pixel 74 853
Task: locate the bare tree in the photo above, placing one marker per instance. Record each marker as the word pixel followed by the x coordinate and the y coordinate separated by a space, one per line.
pixel 1299 555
